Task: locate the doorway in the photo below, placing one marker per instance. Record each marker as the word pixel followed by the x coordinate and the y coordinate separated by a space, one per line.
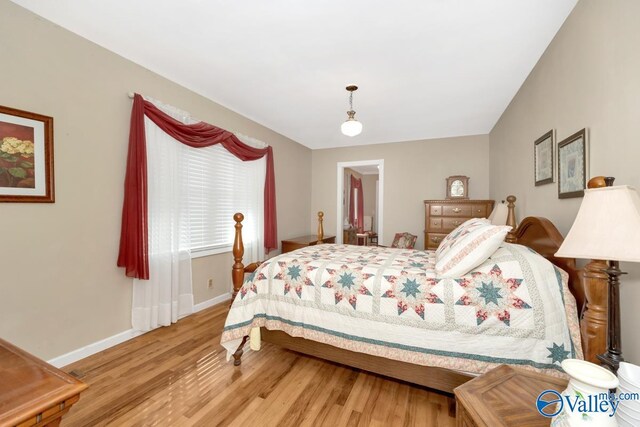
pixel 360 203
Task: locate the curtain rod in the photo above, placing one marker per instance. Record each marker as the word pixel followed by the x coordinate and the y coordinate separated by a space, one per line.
pixel 130 94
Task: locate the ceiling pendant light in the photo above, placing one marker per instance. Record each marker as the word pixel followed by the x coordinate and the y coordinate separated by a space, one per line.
pixel 351 127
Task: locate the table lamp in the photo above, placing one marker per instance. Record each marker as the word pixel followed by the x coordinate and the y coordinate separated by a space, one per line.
pixel 607 227
pixel 499 214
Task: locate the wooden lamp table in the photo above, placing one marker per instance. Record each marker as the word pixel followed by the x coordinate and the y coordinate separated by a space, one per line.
pixel 504 396
pixel 304 241
pixel 32 392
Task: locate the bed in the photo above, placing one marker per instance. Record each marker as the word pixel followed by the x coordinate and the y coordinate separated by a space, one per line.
pixel 385 310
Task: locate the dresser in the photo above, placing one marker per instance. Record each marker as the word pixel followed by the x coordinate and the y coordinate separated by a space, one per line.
pixel 304 241
pixel 441 217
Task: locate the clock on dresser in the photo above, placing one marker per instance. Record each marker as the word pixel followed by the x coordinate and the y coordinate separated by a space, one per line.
pixel 457 187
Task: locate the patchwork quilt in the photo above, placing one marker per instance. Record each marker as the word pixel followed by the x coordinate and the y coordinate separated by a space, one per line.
pixel 515 308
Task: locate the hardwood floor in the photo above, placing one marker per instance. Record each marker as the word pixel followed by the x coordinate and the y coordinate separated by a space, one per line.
pixel 178 376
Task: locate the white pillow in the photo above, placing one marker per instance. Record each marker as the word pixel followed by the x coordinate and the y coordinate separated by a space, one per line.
pixel 471 250
pixel 458 233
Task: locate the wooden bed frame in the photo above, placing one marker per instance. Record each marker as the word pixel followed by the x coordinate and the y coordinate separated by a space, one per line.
pixel 589 286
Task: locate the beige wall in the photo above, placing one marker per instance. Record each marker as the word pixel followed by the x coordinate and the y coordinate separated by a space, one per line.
pixel 413 171
pixel 60 288
pixel 369 192
pixel 588 77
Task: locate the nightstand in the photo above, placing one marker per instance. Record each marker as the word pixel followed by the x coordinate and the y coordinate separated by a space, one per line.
pixel 504 396
pixel 304 241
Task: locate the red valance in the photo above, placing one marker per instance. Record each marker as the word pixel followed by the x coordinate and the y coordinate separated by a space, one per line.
pixel 134 251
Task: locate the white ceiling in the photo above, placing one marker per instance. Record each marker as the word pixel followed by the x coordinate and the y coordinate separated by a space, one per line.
pixel 425 68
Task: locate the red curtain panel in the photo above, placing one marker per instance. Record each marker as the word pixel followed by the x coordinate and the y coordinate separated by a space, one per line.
pixel 134 251
pixel 356 213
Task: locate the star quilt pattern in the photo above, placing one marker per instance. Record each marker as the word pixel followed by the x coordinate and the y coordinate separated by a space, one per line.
pixel 514 308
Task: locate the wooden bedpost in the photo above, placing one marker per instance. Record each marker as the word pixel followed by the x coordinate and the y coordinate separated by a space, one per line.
pixel 511 219
pixel 320 227
pixel 237 272
pixel 593 325
pixel 594 315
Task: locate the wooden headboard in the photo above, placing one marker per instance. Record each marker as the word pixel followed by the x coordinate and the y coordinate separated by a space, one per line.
pixel 588 286
pixel 543 237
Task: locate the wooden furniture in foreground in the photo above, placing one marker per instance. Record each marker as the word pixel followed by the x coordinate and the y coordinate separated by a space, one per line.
pixel 309 240
pixel 504 396
pixel 536 233
pixel 442 216
pixel 32 392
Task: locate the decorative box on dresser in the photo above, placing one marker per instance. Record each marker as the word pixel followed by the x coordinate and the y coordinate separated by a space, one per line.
pixel 442 216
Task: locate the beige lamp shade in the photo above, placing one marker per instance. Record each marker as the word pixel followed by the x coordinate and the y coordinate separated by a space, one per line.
pixel 607 226
pixel 499 214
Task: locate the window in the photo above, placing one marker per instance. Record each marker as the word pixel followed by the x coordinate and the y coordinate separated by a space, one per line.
pixel 217 186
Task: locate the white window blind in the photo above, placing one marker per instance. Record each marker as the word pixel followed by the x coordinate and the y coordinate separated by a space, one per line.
pixel 218 185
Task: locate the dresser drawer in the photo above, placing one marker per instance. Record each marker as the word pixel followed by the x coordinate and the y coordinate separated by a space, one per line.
pixel 449 224
pixel 435 224
pixel 435 210
pixel 479 211
pixel 432 240
pixel 457 210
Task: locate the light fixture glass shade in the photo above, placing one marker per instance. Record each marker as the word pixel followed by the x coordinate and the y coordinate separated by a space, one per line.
pixel 607 226
pixel 499 214
pixel 351 127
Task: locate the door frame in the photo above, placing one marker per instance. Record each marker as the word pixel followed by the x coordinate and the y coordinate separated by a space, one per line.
pixel 340 188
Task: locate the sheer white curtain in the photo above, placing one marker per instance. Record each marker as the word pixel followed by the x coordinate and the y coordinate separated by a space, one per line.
pixel 168 294
pixel 251 180
pixel 183 191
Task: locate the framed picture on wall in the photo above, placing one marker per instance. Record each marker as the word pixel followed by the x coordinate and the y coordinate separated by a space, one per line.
pixel 26 156
pixel 573 162
pixel 543 148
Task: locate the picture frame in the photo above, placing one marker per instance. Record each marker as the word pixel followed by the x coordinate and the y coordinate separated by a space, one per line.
pixel 457 187
pixel 543 159
pixel 573 155
pixel 26 157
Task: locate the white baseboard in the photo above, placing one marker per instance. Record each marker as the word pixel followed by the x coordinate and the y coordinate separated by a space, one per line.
pixel 210 303
pixel 93 348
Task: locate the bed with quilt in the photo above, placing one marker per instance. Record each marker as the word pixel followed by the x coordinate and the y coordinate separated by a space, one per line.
pixel 428 308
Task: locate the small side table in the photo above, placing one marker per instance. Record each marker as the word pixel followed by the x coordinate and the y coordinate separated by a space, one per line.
pixel 504 396
pixel 304 241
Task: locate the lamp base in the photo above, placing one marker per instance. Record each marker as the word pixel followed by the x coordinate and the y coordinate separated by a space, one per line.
pixel 613 356
pixel 611 361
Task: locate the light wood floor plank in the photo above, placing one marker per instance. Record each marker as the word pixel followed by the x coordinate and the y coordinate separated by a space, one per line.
pixel 178 376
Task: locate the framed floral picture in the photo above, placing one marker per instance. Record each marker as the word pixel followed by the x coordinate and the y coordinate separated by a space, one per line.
pixel 26 156
pixel 573 155
pixel 543 148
